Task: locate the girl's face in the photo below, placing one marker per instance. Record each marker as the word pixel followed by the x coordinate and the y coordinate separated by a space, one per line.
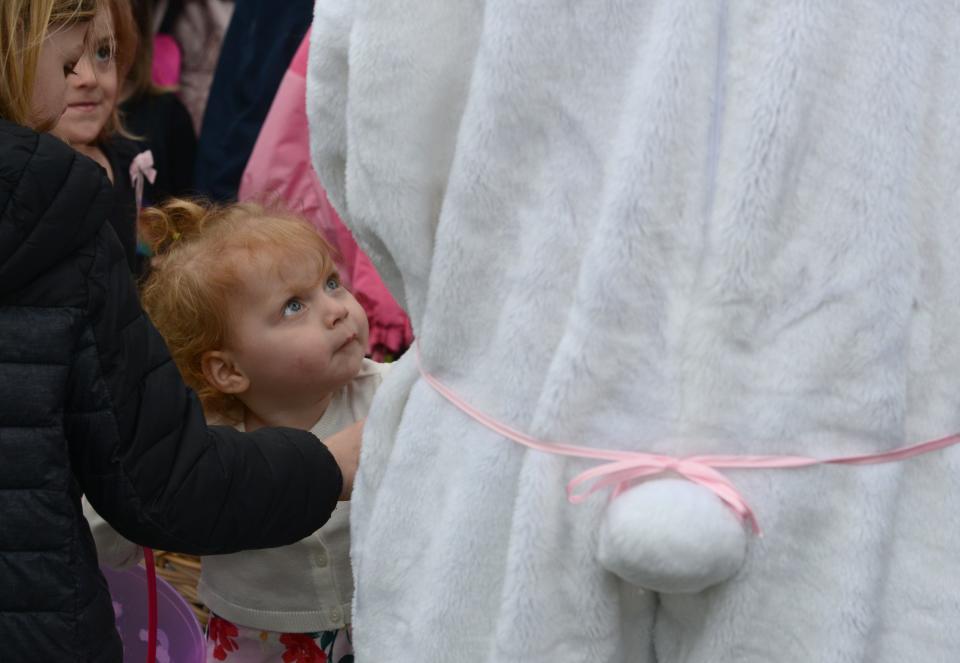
pixel 60 52
pixel 297 334
pixel 92 93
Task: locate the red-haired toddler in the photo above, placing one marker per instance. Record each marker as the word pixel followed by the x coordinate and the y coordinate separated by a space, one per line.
pixel 255 316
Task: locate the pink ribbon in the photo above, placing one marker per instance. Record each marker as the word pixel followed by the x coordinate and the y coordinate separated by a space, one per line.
pixel 142 168
pixel 625 467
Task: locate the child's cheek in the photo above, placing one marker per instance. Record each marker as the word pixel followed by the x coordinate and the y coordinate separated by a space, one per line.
pixel 310 364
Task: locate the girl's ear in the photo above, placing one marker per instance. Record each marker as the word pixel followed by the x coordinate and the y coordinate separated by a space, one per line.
pixel 222 372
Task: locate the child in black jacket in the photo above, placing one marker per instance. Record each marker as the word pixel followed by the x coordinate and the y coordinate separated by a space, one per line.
pixel 90 402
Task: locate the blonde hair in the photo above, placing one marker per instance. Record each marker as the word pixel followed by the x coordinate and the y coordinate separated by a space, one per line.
pixel 195 273
pixel 24 25
pixel 124 46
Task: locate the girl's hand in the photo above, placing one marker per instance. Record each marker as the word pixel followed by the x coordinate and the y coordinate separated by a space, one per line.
pixel 345 447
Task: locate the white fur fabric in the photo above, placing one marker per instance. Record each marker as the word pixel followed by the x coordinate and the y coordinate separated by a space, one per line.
pixel 731 225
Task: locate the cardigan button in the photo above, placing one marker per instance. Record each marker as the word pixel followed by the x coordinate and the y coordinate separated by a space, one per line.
pixel 336 615
pixel 321 559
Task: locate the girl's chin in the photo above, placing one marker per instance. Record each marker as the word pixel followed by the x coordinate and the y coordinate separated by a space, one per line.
pixel 77 132
pixel 77 139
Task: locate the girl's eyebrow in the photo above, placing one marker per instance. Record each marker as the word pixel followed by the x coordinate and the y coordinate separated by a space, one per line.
pixel 75 53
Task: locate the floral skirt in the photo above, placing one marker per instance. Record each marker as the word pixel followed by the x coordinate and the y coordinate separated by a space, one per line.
pixel 229 642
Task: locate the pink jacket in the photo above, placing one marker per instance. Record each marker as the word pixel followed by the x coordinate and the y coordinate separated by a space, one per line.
pixel 279 170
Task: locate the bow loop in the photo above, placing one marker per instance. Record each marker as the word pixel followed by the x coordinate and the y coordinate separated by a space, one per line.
pixel 142 168
pixel 636 466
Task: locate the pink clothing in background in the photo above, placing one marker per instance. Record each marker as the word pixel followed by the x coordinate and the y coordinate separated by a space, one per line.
pixel 279 170
pixel 167 61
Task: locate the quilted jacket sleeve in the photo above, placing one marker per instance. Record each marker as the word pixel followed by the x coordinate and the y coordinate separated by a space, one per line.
pixel 146 459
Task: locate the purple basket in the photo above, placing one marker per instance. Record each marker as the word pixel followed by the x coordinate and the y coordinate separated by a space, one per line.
pixel 179 636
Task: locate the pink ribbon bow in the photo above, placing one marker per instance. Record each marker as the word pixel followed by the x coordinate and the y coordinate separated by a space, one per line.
pixel 625 467
pixel 141 168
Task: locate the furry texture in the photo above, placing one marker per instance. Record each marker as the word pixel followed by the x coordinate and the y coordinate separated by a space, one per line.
pixel 662 225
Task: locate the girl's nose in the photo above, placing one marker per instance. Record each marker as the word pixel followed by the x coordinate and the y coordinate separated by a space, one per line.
pixel 334 313
pixel 85 75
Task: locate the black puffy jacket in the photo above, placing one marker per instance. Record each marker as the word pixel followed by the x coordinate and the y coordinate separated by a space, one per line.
pixel 90 402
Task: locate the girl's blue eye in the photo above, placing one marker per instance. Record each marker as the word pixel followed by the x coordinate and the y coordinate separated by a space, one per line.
pixel 103 54
pixel 333 282
pixel 292 307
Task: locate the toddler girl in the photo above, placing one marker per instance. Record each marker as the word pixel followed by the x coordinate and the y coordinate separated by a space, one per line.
pixel 256 318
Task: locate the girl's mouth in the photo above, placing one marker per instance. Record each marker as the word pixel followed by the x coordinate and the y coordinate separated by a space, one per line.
pixel 84 107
